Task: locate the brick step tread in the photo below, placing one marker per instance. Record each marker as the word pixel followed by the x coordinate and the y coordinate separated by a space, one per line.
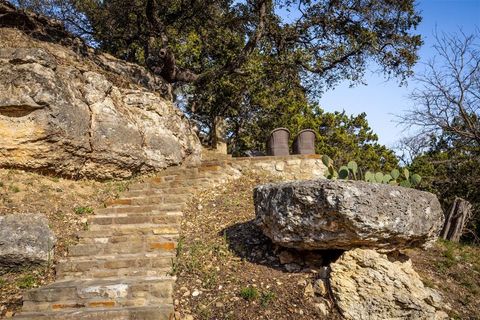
pixel 118 257
pixel 75 304
pixel 142 199
pixel 220 163
pixel 181 191
pixel 136 258
pixel 108 238
pixel 101 231
pixel 177 170
pixel 140 214
pixel 195 184
pixel 190 170
pixel 90 289
pixel 141 208
pixel 167 187
pixel 189 177
pixel 141 245
pixel 107 273
pixel 136 218
pixel 185 176
pixel 162 312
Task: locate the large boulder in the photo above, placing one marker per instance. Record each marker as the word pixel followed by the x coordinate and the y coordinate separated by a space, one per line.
pixel 327 214
pixel 83 114
pixel 367 286
pixel 25 240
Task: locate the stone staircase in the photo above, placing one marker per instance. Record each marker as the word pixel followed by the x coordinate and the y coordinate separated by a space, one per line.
pixel 120 268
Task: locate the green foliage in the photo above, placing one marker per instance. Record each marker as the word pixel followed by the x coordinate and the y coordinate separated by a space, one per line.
pixel 249 293
pixel 351 169
pixel 257 85
pixel 450 172
pixel 266 298
pixel 395 174
pixel 81 210
pixel 27 282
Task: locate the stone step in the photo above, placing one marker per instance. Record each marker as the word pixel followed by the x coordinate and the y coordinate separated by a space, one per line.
pixel 183 191
pixel 127 265
pixel 141 186
pixel 140 209
pixel 186 176
pixel 169 217
pixel 113 293
pixel 161 312
pixel 189 177
pixel 194 183
pixel 116 273
pixel 111 238
pixel 219 163
pixel 177 171
pixel 103 231
pixel 142 199
pixel 142 245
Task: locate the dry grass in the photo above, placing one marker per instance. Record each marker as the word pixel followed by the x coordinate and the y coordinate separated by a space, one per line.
pixel 237 272
pixel 65 203
pixel 454 270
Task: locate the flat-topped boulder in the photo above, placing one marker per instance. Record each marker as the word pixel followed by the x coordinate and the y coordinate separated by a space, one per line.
pixel 328 214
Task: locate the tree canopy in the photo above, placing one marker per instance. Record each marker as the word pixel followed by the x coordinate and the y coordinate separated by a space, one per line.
pixel 233 58
pixel 446 148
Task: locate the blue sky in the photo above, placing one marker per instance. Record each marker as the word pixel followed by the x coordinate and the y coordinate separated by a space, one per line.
pixel 381 99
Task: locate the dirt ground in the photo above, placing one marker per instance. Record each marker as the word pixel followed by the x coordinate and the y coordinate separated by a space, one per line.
pixel 227 269
pixel 66 204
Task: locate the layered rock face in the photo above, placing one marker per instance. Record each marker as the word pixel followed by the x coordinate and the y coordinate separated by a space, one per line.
pixel 327 214
pixel 84 115
pixel 367 286
pixel 25 239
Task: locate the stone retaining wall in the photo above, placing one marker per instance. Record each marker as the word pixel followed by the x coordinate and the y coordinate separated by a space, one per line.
pixel 293 167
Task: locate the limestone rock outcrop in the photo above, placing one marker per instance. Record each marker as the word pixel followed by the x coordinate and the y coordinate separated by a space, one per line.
pixel 367 286
pixel 25 240
pixel 327 214
pixel 84 115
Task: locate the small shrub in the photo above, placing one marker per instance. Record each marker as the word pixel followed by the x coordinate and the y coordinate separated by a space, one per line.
pixel 266 298
pixel 249 293
pixel 2 282
pixel 26 282
pixel 83 210
pixel 14 189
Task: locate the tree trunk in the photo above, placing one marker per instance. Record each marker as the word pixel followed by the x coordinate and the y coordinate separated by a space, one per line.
pixel 456 220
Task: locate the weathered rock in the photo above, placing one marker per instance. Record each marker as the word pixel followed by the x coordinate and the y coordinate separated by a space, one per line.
pixel 320 287
pixel 25 239
pixel 63 112
pixel 326 214
pixel 366 285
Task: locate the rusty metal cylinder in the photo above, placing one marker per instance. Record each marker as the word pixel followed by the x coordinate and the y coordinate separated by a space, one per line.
pixel 277 144
pixel 304 142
